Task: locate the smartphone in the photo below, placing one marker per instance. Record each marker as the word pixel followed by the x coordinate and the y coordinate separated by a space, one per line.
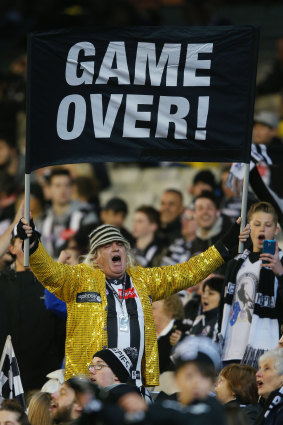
pixel 268 247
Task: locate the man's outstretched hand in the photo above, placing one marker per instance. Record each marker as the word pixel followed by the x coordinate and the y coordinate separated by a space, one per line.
pixel 26 231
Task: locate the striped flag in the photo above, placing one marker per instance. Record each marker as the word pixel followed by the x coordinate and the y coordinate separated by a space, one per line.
pixel 10 380
pixel 260 154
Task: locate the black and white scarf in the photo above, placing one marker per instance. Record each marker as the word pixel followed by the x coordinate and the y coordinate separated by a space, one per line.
pixel 265 309
pixel 271 407
pixel 266 154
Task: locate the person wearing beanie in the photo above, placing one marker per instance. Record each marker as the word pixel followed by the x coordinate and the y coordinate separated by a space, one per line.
pixel 114 366
pixel 109 297
pixel 111 369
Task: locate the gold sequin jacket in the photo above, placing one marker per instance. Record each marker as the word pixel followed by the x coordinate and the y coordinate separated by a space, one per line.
pixel 87 321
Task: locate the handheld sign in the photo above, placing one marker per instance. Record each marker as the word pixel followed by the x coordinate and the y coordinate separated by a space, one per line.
pixel 141 94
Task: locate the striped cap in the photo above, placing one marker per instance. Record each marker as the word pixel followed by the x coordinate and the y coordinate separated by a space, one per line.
pixel 105 234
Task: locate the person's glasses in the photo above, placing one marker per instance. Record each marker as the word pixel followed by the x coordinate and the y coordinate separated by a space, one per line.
pixel 96 366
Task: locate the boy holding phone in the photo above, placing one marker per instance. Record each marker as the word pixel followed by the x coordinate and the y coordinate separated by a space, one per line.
pixel 253 298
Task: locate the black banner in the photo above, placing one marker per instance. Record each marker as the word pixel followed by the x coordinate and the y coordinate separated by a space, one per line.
pixel 141 94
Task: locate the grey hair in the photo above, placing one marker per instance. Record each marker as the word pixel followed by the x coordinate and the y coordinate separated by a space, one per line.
pixel 277 355
pixel 91 258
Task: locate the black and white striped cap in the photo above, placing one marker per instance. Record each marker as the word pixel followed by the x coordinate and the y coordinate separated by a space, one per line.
pixel 105 234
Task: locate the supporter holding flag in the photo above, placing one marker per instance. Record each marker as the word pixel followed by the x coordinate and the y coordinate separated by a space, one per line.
pixel 109 297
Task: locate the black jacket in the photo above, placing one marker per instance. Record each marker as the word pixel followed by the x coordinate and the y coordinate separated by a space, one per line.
pixel 38 336
pixel 206 324
pixel 164 346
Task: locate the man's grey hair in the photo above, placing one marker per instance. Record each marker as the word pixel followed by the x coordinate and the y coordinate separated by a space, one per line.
pixel 92 258
pixel 277 355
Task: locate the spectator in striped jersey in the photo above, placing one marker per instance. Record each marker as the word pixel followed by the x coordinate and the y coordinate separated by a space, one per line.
pixel 109 297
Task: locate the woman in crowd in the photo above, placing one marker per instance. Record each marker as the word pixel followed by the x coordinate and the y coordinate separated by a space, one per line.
pixel 269 378
pixel 206 324
pixel 237 386
pixel 38 410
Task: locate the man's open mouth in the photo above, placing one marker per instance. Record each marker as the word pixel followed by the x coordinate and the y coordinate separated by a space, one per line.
pixel 261 237
pixel 116 258
pixel 53 406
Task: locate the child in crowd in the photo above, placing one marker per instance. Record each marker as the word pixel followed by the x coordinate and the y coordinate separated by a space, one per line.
pixel 205 324
pixel 253 293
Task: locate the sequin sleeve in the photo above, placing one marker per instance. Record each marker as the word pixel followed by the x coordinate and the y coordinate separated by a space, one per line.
pixel 60 279
pixel 165 281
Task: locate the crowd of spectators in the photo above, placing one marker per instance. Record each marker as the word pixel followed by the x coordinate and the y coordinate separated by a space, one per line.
pixel 36 319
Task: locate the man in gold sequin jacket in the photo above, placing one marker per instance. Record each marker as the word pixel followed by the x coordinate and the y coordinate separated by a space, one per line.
pixel 110 257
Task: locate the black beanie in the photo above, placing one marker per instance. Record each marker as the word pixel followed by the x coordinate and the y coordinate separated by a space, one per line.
pixel 119 361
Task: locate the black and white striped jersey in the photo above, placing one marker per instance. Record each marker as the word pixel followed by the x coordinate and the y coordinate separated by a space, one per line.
pixel 131 306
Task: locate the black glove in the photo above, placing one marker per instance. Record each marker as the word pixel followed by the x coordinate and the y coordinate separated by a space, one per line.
pixel 230 239
pixel 22 234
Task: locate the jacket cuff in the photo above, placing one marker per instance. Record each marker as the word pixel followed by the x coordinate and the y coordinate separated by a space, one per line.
pixel 223 251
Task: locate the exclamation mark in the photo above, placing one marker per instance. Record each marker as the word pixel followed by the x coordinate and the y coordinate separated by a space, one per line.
pixel 203 104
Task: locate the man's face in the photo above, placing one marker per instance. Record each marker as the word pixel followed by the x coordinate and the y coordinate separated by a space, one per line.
pixel 113 218
pixel 189 224
pixel 171 207
pixel 142 226
pixel 60 190
pixel 262 134
pixel 112 259
pixel 63 405
pixel 192 384
pixel 262 227
pixel 102 377
pixel 5 152
pixel 9 418
pixel 206 213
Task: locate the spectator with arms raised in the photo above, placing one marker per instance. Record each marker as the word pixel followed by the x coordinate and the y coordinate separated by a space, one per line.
pixel 109 298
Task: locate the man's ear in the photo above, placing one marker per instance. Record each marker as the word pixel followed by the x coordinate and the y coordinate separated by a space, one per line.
pixel 277 230
pixel 78 407
pixel 116 379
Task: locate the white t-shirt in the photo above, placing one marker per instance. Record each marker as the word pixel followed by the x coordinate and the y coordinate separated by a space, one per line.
pixel 239 323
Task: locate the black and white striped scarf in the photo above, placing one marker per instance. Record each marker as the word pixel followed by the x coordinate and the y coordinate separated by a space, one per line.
pixel 271 407
pixel 270 155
